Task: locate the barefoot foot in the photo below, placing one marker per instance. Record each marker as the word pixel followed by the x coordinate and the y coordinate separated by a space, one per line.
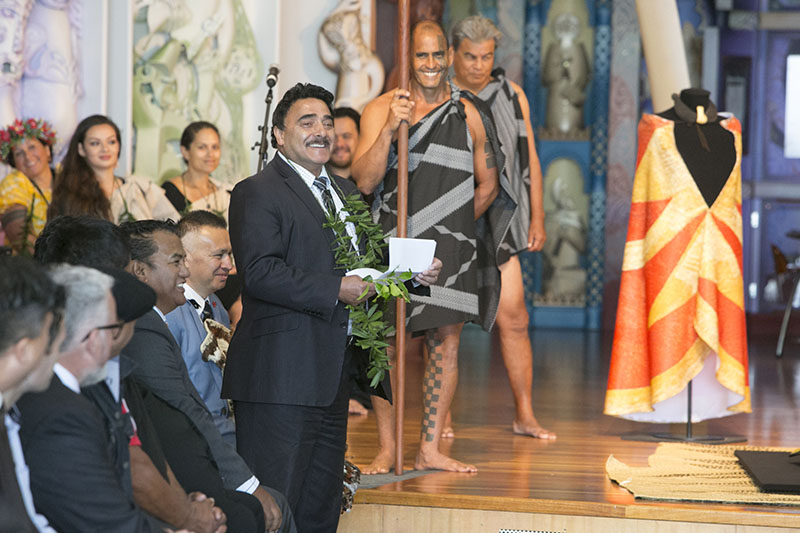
pixel 438 461
pixel 533 429
pixel 355 408
pixel 382 464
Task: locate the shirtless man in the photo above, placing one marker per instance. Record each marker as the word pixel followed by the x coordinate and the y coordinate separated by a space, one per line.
pixel 429 92
pixel 473 45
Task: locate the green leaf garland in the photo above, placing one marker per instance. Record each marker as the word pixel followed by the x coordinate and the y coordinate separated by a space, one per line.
pixel 369 327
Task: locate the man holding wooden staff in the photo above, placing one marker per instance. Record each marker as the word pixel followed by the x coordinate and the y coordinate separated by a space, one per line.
pixel 452 181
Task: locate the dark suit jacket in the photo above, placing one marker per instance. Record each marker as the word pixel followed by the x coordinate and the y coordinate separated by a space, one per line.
pixel 289 344
pixel 160 368
pixel 74 474
pixel 15 517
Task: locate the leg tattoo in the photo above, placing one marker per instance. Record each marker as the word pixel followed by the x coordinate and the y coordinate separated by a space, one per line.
pixel 432 386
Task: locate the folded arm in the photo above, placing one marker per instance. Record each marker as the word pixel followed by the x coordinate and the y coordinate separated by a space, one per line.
pixel 487 184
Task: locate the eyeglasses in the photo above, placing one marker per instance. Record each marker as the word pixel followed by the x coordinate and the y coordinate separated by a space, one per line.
pixel 115 330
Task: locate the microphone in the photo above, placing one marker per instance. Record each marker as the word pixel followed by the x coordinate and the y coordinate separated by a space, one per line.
pixel 272 76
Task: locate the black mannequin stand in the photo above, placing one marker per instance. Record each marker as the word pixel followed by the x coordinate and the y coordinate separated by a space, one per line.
pixel 689 437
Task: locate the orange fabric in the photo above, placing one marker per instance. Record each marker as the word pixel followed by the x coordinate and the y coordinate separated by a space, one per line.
pixel 681 291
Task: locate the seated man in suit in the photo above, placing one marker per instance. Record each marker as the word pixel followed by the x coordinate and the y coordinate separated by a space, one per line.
pixel 100 244
pixel 159 261
pixel 31 310
pixel 205 239
pixel 79 471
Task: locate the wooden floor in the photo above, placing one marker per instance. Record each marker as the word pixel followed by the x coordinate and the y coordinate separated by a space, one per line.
pixel 529 484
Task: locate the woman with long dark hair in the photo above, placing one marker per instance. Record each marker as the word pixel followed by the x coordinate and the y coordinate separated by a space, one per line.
pixel 87 184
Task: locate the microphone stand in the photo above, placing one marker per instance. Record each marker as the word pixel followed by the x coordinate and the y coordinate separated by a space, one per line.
pixel 262 144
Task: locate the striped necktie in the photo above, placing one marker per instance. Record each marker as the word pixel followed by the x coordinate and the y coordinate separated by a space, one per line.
pixel 322 183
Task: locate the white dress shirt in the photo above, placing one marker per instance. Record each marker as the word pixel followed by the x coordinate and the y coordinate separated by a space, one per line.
pixel 23 473
pixel 309 178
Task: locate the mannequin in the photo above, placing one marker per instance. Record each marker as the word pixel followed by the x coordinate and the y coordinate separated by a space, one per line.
pixel 697 141
pixel 680 317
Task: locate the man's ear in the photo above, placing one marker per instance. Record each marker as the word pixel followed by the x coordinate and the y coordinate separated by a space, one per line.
pixel 139 269
pixel 278 135
pixel 451 55
pixel 17 361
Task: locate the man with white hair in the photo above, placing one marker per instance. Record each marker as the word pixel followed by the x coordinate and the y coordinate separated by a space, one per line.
pixel 80 472
pixel 473 45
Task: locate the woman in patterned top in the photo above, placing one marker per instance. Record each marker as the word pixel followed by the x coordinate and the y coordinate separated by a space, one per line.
pixel 25 193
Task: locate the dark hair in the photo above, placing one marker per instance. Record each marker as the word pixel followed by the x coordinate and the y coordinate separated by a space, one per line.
pixel 82 240
pixel 140 237
pixel 350 113
pixel 298 92
pixel 191 131
pixel 194 220
pixel 45 142
pixel 76 190
pixel 27 294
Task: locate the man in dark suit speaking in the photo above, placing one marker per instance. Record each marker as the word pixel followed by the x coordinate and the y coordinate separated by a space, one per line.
pixel 288 363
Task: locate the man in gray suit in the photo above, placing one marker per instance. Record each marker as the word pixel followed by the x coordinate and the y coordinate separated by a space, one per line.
pixel 205 239
pixel 159 261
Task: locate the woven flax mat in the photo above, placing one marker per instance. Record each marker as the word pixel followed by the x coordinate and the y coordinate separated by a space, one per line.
pixel 695 473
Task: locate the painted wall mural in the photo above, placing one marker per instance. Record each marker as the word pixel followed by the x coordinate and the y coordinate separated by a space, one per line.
pixel 39 64
pixel 192 61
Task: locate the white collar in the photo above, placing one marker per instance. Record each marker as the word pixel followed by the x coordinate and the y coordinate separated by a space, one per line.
pixel 192 294
pixel 307 176
pixel 160 313
pixel 112 376
pixel 67 378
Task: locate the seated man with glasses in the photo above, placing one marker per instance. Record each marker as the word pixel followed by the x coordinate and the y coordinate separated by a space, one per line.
pixel 78 457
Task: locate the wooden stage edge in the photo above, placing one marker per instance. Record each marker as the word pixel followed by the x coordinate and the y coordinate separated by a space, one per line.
pixel 378 511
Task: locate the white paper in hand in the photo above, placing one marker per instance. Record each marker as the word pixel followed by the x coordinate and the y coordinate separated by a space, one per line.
pixel 415 255
pixel 404 254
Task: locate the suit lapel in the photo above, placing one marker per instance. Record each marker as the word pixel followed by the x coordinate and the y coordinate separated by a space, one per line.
pixel 299 187
pixel 194 319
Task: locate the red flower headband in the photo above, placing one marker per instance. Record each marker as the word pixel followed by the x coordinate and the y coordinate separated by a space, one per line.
pixel 36 128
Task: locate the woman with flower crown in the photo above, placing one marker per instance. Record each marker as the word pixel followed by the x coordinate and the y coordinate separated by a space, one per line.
pixel 25 194
pixel 87 185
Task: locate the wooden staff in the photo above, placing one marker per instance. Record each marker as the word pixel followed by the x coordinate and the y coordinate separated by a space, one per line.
pixel 403 30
